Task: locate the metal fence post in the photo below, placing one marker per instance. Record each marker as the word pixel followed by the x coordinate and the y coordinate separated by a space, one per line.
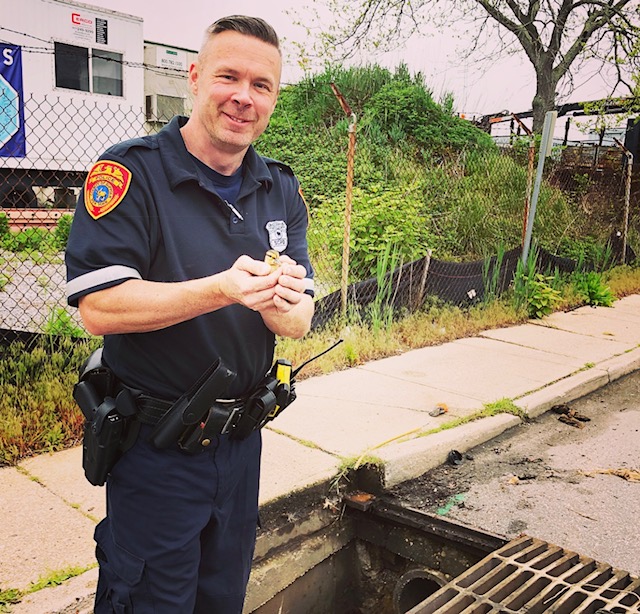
pixel 531 160
pixel 545 149
pixel 627 197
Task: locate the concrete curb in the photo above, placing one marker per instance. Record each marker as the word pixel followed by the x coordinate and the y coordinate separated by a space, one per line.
pixel 579 384
pixel 563 391
pixel 408 460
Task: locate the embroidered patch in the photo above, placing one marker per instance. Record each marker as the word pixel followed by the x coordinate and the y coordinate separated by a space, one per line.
pixel 105 187
pixel 278 239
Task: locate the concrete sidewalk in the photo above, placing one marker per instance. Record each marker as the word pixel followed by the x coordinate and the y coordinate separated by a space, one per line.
pixel 48 510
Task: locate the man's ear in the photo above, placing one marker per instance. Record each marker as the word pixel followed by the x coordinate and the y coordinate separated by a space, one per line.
pixel 193 78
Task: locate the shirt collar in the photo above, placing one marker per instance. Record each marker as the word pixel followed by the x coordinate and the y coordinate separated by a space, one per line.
pixel 179 167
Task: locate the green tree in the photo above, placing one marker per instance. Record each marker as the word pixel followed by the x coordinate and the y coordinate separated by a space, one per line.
pixel 557 36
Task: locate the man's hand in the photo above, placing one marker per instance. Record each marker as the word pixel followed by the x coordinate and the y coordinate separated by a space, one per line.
pixel 253 284
pixel 290 288
pixel 290 310
pixel 250 283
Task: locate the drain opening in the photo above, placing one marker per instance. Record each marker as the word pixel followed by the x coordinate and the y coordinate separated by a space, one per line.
pixel 414 587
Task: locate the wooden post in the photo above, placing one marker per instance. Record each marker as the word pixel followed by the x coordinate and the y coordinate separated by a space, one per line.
pixel 344 283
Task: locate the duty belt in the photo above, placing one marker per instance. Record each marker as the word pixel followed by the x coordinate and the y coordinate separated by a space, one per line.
pixel 223 418
pixel 151 410
pixel 174 422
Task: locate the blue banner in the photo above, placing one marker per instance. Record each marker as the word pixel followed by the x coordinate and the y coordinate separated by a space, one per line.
pixel 12 139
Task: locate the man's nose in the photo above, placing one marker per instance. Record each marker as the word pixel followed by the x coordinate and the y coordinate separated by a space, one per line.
pixel 242 94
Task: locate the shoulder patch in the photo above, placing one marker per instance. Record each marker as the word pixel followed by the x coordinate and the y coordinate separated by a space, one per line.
pixel 106 185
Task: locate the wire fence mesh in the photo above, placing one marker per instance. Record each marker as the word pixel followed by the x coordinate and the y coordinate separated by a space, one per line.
pixel 438 222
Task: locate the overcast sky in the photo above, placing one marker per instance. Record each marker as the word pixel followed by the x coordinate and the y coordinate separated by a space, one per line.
pixel 509 85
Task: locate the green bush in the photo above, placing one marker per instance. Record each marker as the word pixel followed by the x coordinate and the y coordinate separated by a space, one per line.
pixel 379 219
pixel 60 322
pixel 318 163
pixel 37 410
pixel 4 224
pixel 404 110
pixel 313 102
pixel 541 297
pixel 27 240
pixel 591 288
pixel 587 251
pixel 62 229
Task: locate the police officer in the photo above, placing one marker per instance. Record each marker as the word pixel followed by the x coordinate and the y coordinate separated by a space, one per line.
pixel 165 259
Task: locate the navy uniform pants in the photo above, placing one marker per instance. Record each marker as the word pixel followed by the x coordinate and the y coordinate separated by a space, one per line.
pixel 180 530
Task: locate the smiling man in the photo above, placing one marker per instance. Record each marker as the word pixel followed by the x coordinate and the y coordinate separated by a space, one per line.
pixel 233 102
pixel 166 260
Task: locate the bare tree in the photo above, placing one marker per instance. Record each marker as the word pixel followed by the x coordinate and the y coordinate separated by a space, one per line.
pixel 557 36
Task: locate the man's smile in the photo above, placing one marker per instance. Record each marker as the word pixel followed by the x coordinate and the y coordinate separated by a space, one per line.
pixel 238 120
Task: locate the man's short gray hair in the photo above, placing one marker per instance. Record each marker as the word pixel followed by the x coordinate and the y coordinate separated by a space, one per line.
pixel 243 24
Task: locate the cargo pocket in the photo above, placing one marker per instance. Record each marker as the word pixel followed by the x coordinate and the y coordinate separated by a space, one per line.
pixel 121 586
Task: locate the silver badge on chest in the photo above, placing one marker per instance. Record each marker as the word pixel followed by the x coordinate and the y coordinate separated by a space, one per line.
pixel 278 239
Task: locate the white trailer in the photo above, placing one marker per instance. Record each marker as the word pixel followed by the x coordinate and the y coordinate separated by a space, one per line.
pixel 88 80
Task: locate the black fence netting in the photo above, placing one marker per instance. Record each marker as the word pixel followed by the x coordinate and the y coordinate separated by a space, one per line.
pixel 410 286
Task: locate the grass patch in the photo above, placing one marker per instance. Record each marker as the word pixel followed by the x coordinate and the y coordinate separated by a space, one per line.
pixel 9 597
pixel 13 596
pixel 623 280
pixel 55 578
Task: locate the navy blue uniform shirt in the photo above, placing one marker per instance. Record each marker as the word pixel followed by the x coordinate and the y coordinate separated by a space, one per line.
pixel 169 225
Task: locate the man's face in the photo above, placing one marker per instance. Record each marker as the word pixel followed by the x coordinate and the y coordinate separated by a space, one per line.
pixel 235 86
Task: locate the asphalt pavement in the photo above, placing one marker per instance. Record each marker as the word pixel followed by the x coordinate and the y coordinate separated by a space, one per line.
pixel 384 409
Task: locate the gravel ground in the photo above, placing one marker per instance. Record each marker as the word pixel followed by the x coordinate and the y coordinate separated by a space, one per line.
pixel 32 292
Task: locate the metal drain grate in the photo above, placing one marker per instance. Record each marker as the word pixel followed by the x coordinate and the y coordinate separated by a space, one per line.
pixel 533 576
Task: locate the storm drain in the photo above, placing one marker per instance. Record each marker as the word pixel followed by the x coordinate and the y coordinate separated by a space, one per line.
pixel 533 576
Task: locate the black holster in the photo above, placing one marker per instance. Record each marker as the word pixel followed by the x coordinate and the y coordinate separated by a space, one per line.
pixel 109 410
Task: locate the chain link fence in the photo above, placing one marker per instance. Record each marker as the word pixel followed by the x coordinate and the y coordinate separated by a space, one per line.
pixel 415 227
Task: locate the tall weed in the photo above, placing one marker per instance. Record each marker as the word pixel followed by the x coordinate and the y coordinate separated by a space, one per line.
pixel 491 275
pixel 60 322
pixel 381 309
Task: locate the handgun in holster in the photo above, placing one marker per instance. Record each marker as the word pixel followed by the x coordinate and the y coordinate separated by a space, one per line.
pixel 109 428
